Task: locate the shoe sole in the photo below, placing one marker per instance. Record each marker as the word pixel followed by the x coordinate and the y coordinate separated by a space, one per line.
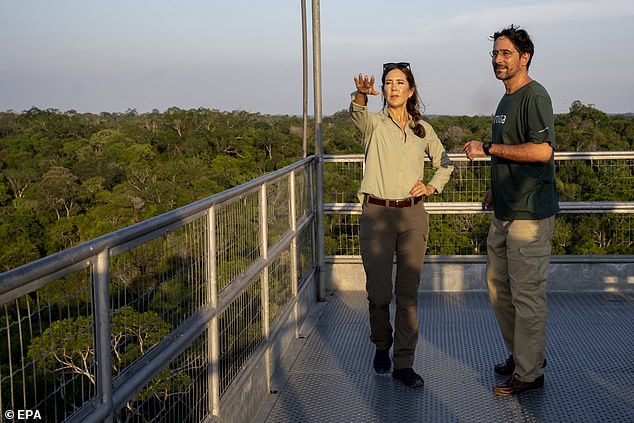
pixel 418 384
pixel 501 393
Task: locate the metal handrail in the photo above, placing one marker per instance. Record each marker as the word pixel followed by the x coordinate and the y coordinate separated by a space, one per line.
pixel 476 208
pixel 460 157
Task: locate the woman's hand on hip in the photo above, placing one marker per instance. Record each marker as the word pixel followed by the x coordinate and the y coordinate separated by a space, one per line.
pixel 420 188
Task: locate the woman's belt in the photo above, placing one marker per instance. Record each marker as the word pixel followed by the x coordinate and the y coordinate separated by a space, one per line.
pixel 407 202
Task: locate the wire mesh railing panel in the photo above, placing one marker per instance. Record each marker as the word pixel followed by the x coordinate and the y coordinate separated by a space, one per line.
pixel 155 287
pixel 238 235
pixel 342 234
pixel 280 283
pixel 278 210
pixel 595 179
pixel 468 182
pixel 302 191
pixel 240 330
pixel 305 253
pixel 466 234
pixel 581 177
pixel 179 393
pixel 596 233
pixel 342 181
pixel 458 234
pixel 47 349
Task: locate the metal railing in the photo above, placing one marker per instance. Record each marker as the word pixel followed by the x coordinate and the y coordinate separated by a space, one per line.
pixel 588 184
pixel 155 321
pixel 161 321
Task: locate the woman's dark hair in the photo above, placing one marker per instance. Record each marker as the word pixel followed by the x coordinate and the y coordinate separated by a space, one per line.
pixel 520 39
pixel 413 103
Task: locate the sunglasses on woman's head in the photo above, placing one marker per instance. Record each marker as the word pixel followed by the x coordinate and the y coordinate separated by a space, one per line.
pixel 400 65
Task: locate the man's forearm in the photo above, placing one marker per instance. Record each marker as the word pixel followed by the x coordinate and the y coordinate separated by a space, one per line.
pixel 525 153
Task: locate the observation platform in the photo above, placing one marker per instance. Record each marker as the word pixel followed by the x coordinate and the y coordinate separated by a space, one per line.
pixel 224 291
pixel 327 375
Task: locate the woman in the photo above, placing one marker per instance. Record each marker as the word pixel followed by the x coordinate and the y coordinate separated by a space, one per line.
pixel 396 142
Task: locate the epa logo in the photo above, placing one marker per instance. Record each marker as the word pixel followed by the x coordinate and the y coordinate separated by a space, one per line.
pixel 22 415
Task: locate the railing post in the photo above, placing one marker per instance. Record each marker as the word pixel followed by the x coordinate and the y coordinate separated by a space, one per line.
pixel 101 312
pixel 304 82
pixel 213 347
pixel 264 282
pixel 294 259
pixel 319 151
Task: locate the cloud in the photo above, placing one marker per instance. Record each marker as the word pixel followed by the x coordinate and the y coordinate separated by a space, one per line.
pixel 469 25
pixel 577 12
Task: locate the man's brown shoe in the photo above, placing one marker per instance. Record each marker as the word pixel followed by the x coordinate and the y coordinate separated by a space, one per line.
pixel 508 367
pixel 514 386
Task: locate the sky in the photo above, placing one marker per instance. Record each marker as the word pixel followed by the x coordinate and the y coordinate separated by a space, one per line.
pixel 246 55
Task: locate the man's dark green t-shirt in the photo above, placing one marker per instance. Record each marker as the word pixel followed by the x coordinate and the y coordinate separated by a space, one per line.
pixel 524 191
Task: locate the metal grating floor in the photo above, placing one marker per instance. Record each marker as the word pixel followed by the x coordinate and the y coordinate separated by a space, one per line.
pixel 327 375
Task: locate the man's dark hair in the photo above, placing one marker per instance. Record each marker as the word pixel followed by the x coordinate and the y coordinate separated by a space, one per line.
pixel 520 39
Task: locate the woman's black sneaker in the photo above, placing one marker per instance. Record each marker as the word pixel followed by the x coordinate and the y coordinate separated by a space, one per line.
pixel 409 377
pixel 382 362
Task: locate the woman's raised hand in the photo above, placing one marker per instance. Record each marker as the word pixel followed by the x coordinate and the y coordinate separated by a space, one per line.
pixel 365 84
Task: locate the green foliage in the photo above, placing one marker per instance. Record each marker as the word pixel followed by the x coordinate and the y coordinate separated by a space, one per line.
pixel 21 235
pixel 69 177
pixel 64 355
pixel 454 131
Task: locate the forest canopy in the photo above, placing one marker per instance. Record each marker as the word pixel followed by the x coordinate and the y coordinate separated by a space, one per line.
pixel 69 177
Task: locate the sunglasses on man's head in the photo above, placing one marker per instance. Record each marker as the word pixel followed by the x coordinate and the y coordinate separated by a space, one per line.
pixel 400 65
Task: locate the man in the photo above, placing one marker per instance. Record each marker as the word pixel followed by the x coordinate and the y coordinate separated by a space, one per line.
pixel 524 200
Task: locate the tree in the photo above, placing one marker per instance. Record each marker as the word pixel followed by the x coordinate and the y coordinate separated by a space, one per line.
pixel 21 171
pixel 21 237
pixel 60 190
pixel 65 351
pixel 16 252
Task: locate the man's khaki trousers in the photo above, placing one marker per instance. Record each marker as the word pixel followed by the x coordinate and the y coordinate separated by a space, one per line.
pixel 517 271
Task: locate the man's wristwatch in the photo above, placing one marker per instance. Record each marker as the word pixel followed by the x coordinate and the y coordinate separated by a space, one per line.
pixel 486 147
